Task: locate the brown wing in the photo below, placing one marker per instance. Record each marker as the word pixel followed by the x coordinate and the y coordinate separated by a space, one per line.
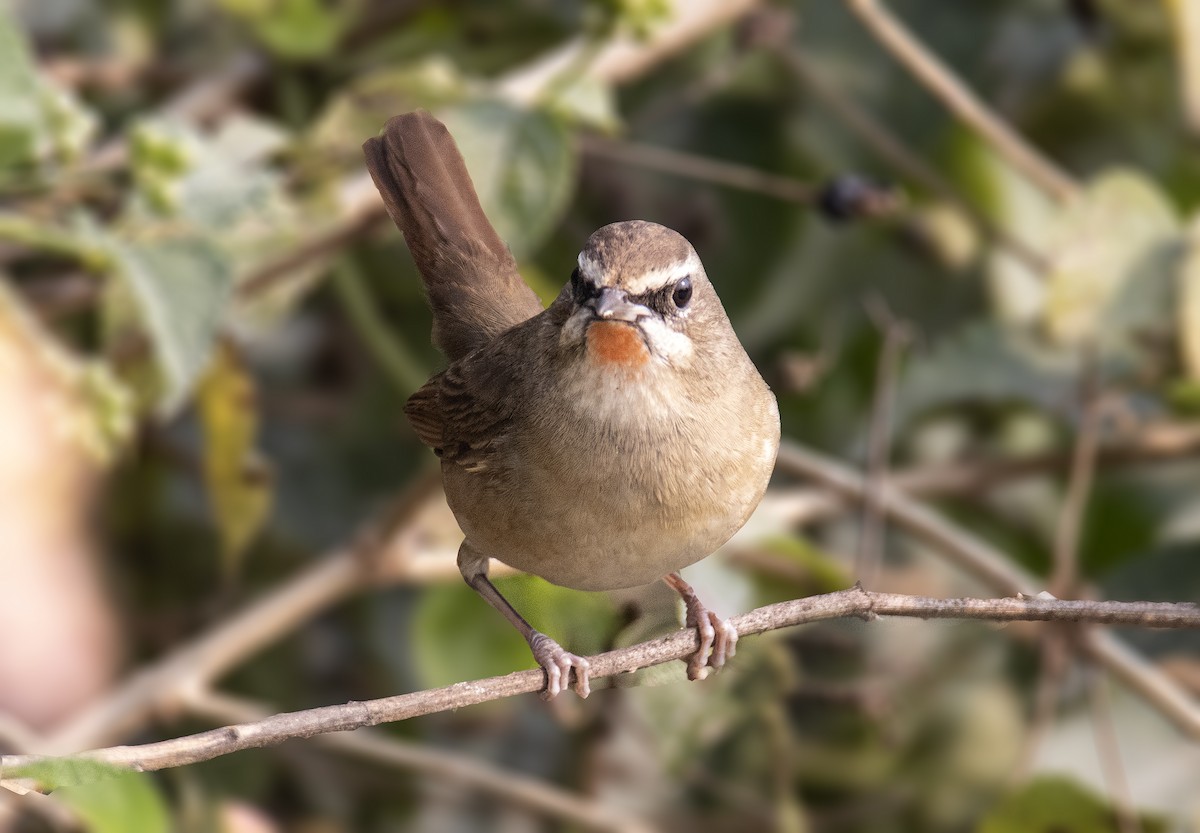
pixel 474 288
pixel 463 413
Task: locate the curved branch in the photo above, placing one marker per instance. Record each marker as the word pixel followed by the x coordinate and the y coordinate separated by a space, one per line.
pixel 444 766
pixel 945 85
pixel 853 602
pixel 996 571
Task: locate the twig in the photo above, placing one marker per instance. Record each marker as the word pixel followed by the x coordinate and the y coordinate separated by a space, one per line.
pixel 1052 672
pixel 1079 488
pixel 160 686
pixel 879 440
pixel 883 141
pixel 394 358
pixel 438 764
pixel 1108 752
pixel 940 80
pixel 854 602
pixel 990 566
pixel 624 59
pixel 701 168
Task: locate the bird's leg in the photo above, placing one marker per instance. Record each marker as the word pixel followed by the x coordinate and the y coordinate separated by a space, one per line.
pixel 555 661
pixel 718 638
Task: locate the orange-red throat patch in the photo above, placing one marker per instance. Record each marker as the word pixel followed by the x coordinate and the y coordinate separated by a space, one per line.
pixel 616 343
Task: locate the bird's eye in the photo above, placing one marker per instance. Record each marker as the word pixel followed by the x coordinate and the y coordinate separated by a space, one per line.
pixel 683 293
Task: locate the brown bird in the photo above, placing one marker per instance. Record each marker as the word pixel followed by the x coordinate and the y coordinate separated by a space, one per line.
pixel 605 442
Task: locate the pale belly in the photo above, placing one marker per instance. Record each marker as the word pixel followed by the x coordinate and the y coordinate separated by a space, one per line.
pixel 604 522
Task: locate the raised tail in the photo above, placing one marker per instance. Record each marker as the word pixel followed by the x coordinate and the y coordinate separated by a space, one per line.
pixel 470 275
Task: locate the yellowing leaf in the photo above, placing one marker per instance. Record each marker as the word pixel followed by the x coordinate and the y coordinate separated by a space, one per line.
pixel 235 475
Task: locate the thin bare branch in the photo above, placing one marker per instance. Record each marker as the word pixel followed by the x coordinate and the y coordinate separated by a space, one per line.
pixel 701 168
pixel 883 141
pixel 1054 658
pixel 1108 752
pixel 428 762
pixel 896 336
pixel 381 556
pixel 999 573
pixel 940 80
pixel 853 602
pixel 1079 489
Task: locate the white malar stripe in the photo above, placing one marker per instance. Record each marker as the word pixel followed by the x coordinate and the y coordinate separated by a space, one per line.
pixel 665 343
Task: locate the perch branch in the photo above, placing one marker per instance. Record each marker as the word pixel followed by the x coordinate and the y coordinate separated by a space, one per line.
pixel 853 602
pixel 446 767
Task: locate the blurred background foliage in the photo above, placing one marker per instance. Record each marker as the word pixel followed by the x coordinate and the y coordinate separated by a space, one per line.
pixel 207 335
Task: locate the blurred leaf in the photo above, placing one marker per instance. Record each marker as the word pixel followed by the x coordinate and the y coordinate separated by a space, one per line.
pixel 990 363
pixel 802 569
pixel 362 107
pixel 587 101
pixel 522 164
pixel 20 110
pixel 236 477
pixel 244 139
pixel 106 798
pixel 1188 310
pixel 1017 292
pixel 37 118
pixel 300 29
pixel 180 285
pixel 458 636
pixel 1101 243
pixel 1056 805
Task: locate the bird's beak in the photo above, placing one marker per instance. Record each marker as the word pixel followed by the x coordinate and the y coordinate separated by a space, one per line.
pixel 614 305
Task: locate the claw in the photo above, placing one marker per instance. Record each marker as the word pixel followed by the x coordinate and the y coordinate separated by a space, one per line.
pixel 718 638
pixel 557 664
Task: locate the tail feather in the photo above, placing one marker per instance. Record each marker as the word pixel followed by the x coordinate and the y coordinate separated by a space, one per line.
pixel 469 274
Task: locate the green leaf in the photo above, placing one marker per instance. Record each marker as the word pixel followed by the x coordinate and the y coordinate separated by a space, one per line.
pixel 1101 243
pixel 458 636
pixel 1187 316
pixel 1017 292
pixel 218 184
pixel 1015 368
pixel 807 571
pixel 38 119
pixel 522 164
pixel 588 101
pixel 235 475
pixel 364 105
pixel 300 29
pixel 180 286
pixel 20 109
pixel 1056 805
pixel 106 798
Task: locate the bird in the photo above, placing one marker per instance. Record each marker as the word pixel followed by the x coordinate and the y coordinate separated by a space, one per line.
pixel 603 442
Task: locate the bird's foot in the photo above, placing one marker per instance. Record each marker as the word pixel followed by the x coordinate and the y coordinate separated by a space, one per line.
pixel 718 639
pixel 558 663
